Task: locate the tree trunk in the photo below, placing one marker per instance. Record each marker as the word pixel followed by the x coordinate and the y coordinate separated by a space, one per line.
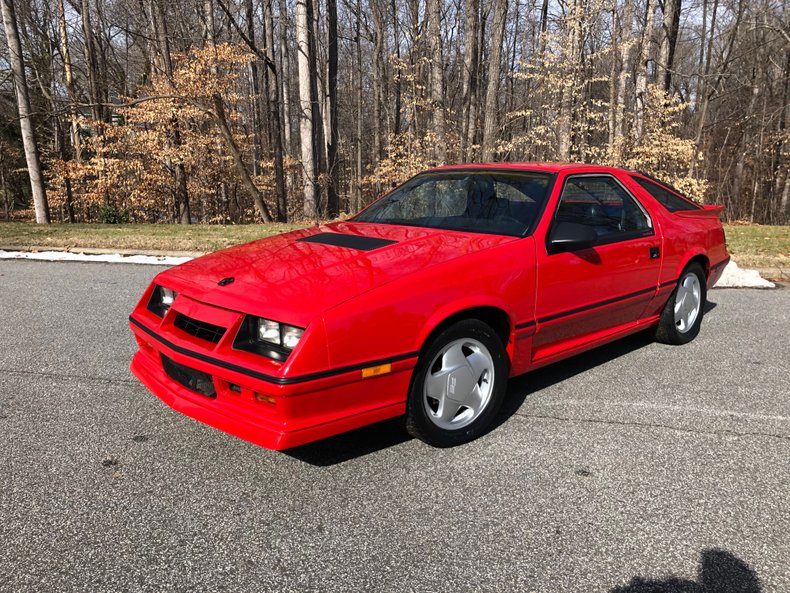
pixel 570 83
pixel 285 77
pixel 332 206
pixel 669 38
pixel 782 188
pixel 23 107
pixel 613 74
pixel 224 129
pixel 76 141
pixel 379 74
pixel 743 145
pixel 490 122
pixel 97 109
pixel 434 15
pixel 256 108
pixel 701 61
pixel 3 189
pixel 469 74
pixel 358 185
pixel 159 26
pixel 626 29
pixel 273 95
pixel 708 89
pixel 397 74
pixel 306 119
pixel 641 72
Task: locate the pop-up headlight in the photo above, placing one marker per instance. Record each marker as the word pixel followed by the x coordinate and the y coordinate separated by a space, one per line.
pixel 161 300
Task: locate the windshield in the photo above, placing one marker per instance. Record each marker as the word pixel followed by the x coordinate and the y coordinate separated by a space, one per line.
pixel 501 203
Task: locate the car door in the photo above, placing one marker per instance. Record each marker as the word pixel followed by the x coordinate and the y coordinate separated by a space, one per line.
pixel 586 294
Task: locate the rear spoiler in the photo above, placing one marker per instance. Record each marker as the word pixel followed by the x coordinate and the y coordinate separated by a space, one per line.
pixel 709 211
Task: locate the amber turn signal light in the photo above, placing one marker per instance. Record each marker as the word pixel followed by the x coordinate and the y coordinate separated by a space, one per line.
pixel 381 369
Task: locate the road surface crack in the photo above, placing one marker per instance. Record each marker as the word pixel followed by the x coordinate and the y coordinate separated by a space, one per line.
pixel 653 425
pixel 67 376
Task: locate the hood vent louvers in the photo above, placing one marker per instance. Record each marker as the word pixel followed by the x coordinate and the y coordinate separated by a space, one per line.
pixel 352 241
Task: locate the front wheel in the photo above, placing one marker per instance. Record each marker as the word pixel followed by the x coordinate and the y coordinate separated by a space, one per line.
pixel 458 385
pixel 682 315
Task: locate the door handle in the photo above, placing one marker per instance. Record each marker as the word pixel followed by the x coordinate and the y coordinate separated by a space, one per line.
pixel 655 252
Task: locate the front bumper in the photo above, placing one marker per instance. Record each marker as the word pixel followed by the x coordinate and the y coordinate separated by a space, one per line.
pixel 273 412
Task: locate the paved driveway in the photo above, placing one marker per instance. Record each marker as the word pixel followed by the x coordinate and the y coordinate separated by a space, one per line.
pixel 637 468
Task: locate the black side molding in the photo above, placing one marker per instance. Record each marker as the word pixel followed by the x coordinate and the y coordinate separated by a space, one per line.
pixel 352 241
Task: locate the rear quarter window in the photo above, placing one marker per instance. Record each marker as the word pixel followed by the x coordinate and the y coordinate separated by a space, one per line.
pixel 668 199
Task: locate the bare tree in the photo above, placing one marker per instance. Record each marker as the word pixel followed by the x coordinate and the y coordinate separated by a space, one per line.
pixel 304 34
pixel 490 123
pixel 669 38
pixel 642 66
pixel 469 76
pixel 23 106
pixel 626 28
pixel 434 10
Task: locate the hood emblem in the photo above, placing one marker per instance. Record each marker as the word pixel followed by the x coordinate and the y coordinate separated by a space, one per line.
pixel 226 281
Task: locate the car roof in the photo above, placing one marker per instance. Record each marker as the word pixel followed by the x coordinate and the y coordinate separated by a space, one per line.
pixel 547 167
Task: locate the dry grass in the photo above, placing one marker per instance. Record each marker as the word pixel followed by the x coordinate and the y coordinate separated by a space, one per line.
pixel 158 237
pixel 759 246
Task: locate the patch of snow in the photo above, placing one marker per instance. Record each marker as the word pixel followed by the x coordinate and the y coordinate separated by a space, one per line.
pixel 735 277
pixel 113 258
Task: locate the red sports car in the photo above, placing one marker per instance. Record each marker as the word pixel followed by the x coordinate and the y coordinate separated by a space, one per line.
pixel 426 302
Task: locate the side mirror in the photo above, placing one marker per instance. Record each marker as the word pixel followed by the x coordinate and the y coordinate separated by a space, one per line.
pixel 570 236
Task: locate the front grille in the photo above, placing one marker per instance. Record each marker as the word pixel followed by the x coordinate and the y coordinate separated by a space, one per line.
pixel 199 329
pixel 193 380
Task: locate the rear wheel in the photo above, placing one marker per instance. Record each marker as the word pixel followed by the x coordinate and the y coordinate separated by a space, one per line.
pixel 458 385
pixel 682 315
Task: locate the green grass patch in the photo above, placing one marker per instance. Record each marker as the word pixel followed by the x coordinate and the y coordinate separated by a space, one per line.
pixel 159 237
pixel 758 246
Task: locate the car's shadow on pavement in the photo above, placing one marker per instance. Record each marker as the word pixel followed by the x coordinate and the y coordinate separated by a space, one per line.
pixel 382 435
pixel 522 387
pixel 353 444
pixel 719 571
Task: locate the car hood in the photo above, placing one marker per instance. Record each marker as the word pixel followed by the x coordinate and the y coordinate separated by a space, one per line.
pixel 292 280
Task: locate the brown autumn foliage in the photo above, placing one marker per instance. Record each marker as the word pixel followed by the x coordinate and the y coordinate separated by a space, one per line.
pixel 128 164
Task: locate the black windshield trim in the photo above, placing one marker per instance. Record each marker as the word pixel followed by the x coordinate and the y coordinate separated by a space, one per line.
pixel 551 178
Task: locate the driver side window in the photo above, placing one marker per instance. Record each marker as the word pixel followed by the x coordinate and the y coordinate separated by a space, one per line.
pixel 602 204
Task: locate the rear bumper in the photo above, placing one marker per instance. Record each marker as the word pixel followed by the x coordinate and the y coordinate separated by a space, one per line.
pixel 275 416
pixel 716 271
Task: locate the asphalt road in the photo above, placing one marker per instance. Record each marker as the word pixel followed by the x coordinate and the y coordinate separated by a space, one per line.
pixel 637 468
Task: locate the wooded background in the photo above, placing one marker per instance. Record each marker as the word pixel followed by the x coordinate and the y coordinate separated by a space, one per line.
pixel 230 111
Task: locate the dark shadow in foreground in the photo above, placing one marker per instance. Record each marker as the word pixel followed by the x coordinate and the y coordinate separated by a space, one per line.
pixel 719 571
pixel 350 445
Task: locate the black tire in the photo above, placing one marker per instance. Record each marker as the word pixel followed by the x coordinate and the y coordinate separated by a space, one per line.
pixel 419 422
pixel 668 331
